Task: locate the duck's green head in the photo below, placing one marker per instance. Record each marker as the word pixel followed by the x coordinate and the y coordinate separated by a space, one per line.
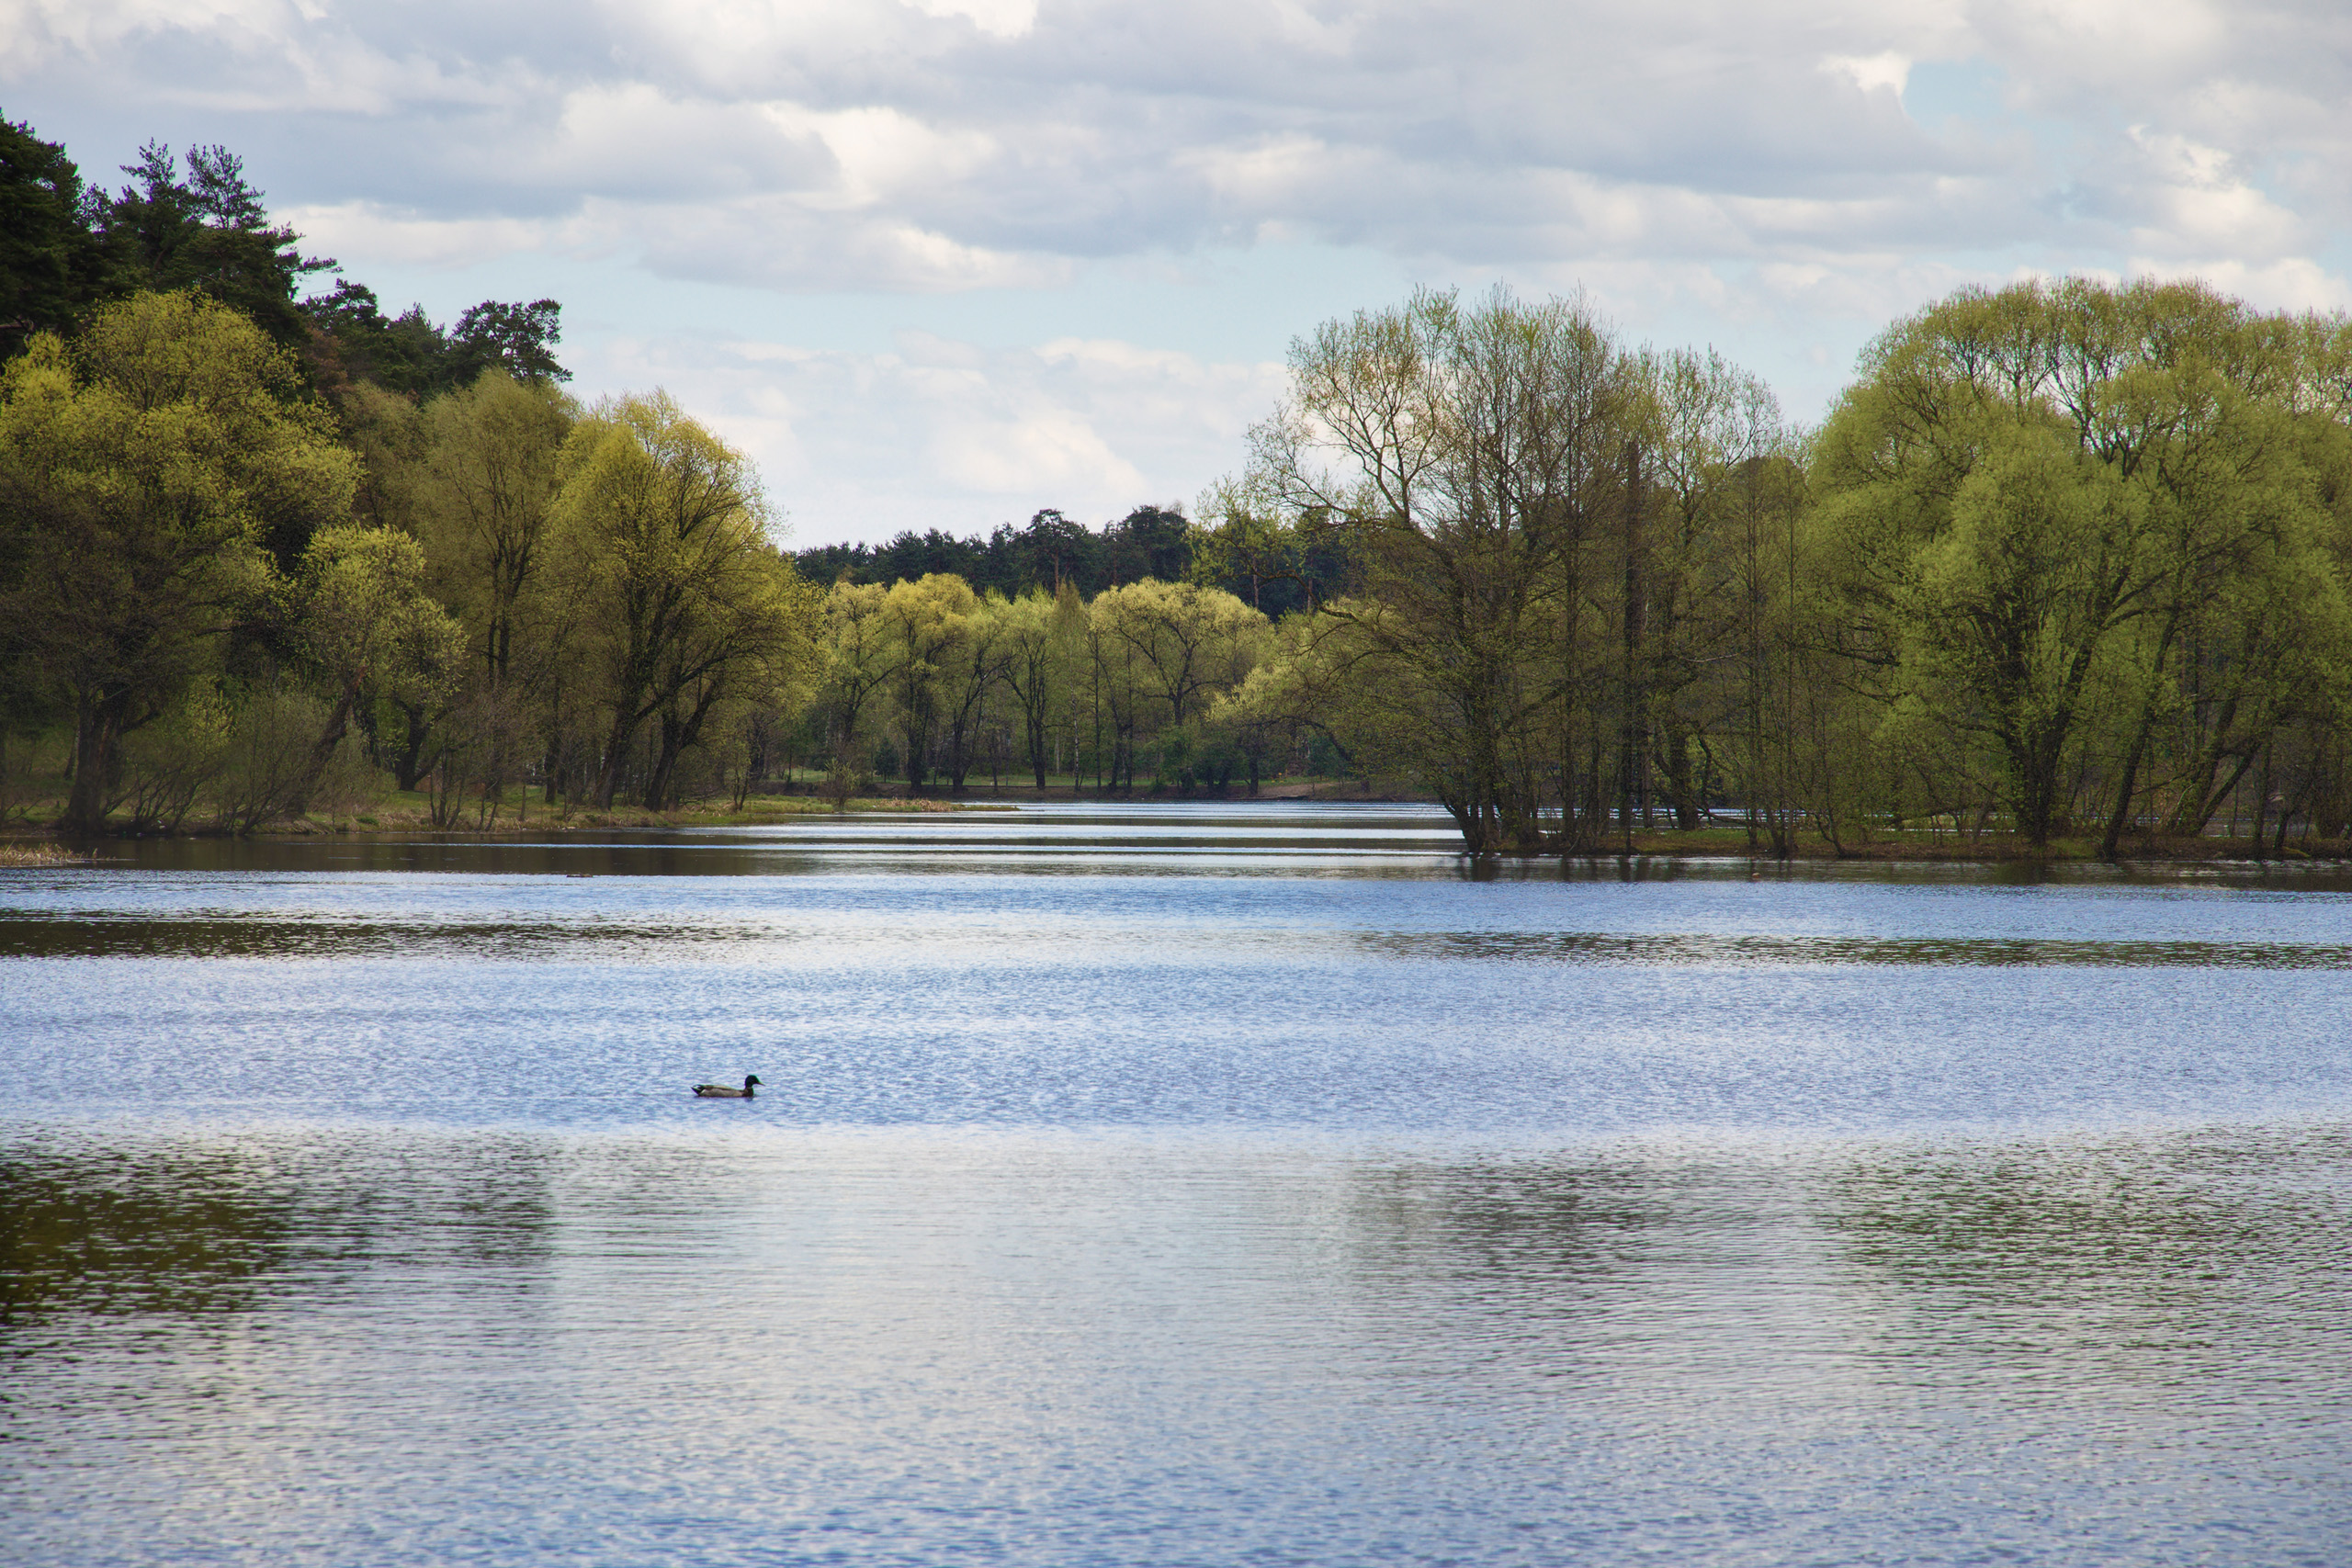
pixel 753 1080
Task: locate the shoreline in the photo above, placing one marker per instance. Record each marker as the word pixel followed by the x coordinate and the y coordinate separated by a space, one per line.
pixel 32 845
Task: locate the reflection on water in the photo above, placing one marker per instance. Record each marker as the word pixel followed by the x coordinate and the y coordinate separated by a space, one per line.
pixel 109 934
pixel 916 1347
pixel 2211 1248
pixel 112 934
pixel 81 1235
pixel 1591 948
pixel 208 1226
pixel 1185 1188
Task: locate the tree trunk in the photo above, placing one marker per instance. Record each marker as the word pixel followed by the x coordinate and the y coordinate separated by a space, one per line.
pixel 2262 807
pixel 94 734
pixel 413 765
pixel 617 746
pixel 338 725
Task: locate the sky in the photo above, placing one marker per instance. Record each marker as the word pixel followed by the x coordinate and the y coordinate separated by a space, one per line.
pixel 944 262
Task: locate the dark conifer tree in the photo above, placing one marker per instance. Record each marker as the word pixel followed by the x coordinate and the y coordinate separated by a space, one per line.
pixel 51 266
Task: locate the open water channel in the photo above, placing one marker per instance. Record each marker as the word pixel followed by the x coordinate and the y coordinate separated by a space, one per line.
pixel 1165 1185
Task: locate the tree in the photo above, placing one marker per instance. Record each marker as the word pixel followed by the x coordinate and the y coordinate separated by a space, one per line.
pixel 2036 499
pixel 412 354
pixel 967 676
pixel 368 628
pixel 1190 642
pixel 52 269
pixel 687 600
pixel 516 339
pixel 1472 449
pixel 1243 544
pixel 930 622
pixel 858 665
pixel 141 471
pixel 1040 633
pixel 1053 550
pixel 491 466
pixel 1149 541
pixel 209 232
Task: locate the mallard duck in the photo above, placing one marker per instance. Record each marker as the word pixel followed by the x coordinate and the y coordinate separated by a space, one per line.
pixel 720 1091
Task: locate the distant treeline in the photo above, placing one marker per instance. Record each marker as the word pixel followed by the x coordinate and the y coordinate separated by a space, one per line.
pixel 1149 542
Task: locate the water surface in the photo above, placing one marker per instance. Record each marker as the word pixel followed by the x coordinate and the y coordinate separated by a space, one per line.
pixel 1165 1185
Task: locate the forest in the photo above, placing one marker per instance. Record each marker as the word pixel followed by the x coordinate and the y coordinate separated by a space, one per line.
pixel 2063 567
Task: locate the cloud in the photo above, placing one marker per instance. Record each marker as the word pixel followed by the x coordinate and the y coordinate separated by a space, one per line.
pixel 944 433
pixel 390 235
pixel 1886 70
pixel 961 143
pixel 1779 177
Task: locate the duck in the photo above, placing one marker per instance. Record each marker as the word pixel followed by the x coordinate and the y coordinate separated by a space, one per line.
pixel 720 1091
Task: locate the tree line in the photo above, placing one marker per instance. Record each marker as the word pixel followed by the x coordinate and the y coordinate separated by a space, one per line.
pixel 2066 559
pixel 226 601
pixel 1051 549
pixel 195 223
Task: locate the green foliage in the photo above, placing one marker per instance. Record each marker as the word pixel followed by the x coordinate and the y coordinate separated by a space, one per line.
pixel 1469 457
pixel 2080 531
pixel 141 472
pixel 53 269
pixel 1049 552
pixel 208 231
pixel 413 354
pixel 172 764
pixel 2067 559
pixel 684 605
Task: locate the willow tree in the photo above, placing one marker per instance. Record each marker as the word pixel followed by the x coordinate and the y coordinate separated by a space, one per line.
pixel 858 665
pixel 1189 642
pixel 1463 452
pixel 476 473
pixel 684 602
pixel 2034 501
pixel 930 623
pixel 968 675
pixel 1713 445
pixel 142 468
pixel 368 626
pixel 1040 634
pixel 490 469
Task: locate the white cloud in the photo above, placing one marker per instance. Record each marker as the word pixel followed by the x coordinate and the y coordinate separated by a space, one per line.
pixel 381 235
pixel 942 434
pixel 1776 175
pixel 1000 18
pixel 1886 70
pixel 2296 283
pixel 953 143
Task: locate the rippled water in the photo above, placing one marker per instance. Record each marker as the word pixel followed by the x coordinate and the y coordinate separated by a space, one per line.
pixel 1167 1185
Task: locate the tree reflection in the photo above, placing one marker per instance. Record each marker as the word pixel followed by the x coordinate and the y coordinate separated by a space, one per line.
pixel 94 1235
pixel 214 1228
pixel 2149 1242
pixel 1547 1231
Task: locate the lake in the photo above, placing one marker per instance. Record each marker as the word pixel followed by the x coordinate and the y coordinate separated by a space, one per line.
pixel 1166 1184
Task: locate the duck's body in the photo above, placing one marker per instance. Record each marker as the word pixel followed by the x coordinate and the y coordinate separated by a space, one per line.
pixel 720 1091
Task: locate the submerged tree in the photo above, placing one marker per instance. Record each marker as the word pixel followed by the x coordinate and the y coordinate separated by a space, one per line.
pixel 1463 452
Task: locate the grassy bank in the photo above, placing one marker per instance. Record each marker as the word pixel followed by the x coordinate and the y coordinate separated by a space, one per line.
pixel 409 811
pixel 31 855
